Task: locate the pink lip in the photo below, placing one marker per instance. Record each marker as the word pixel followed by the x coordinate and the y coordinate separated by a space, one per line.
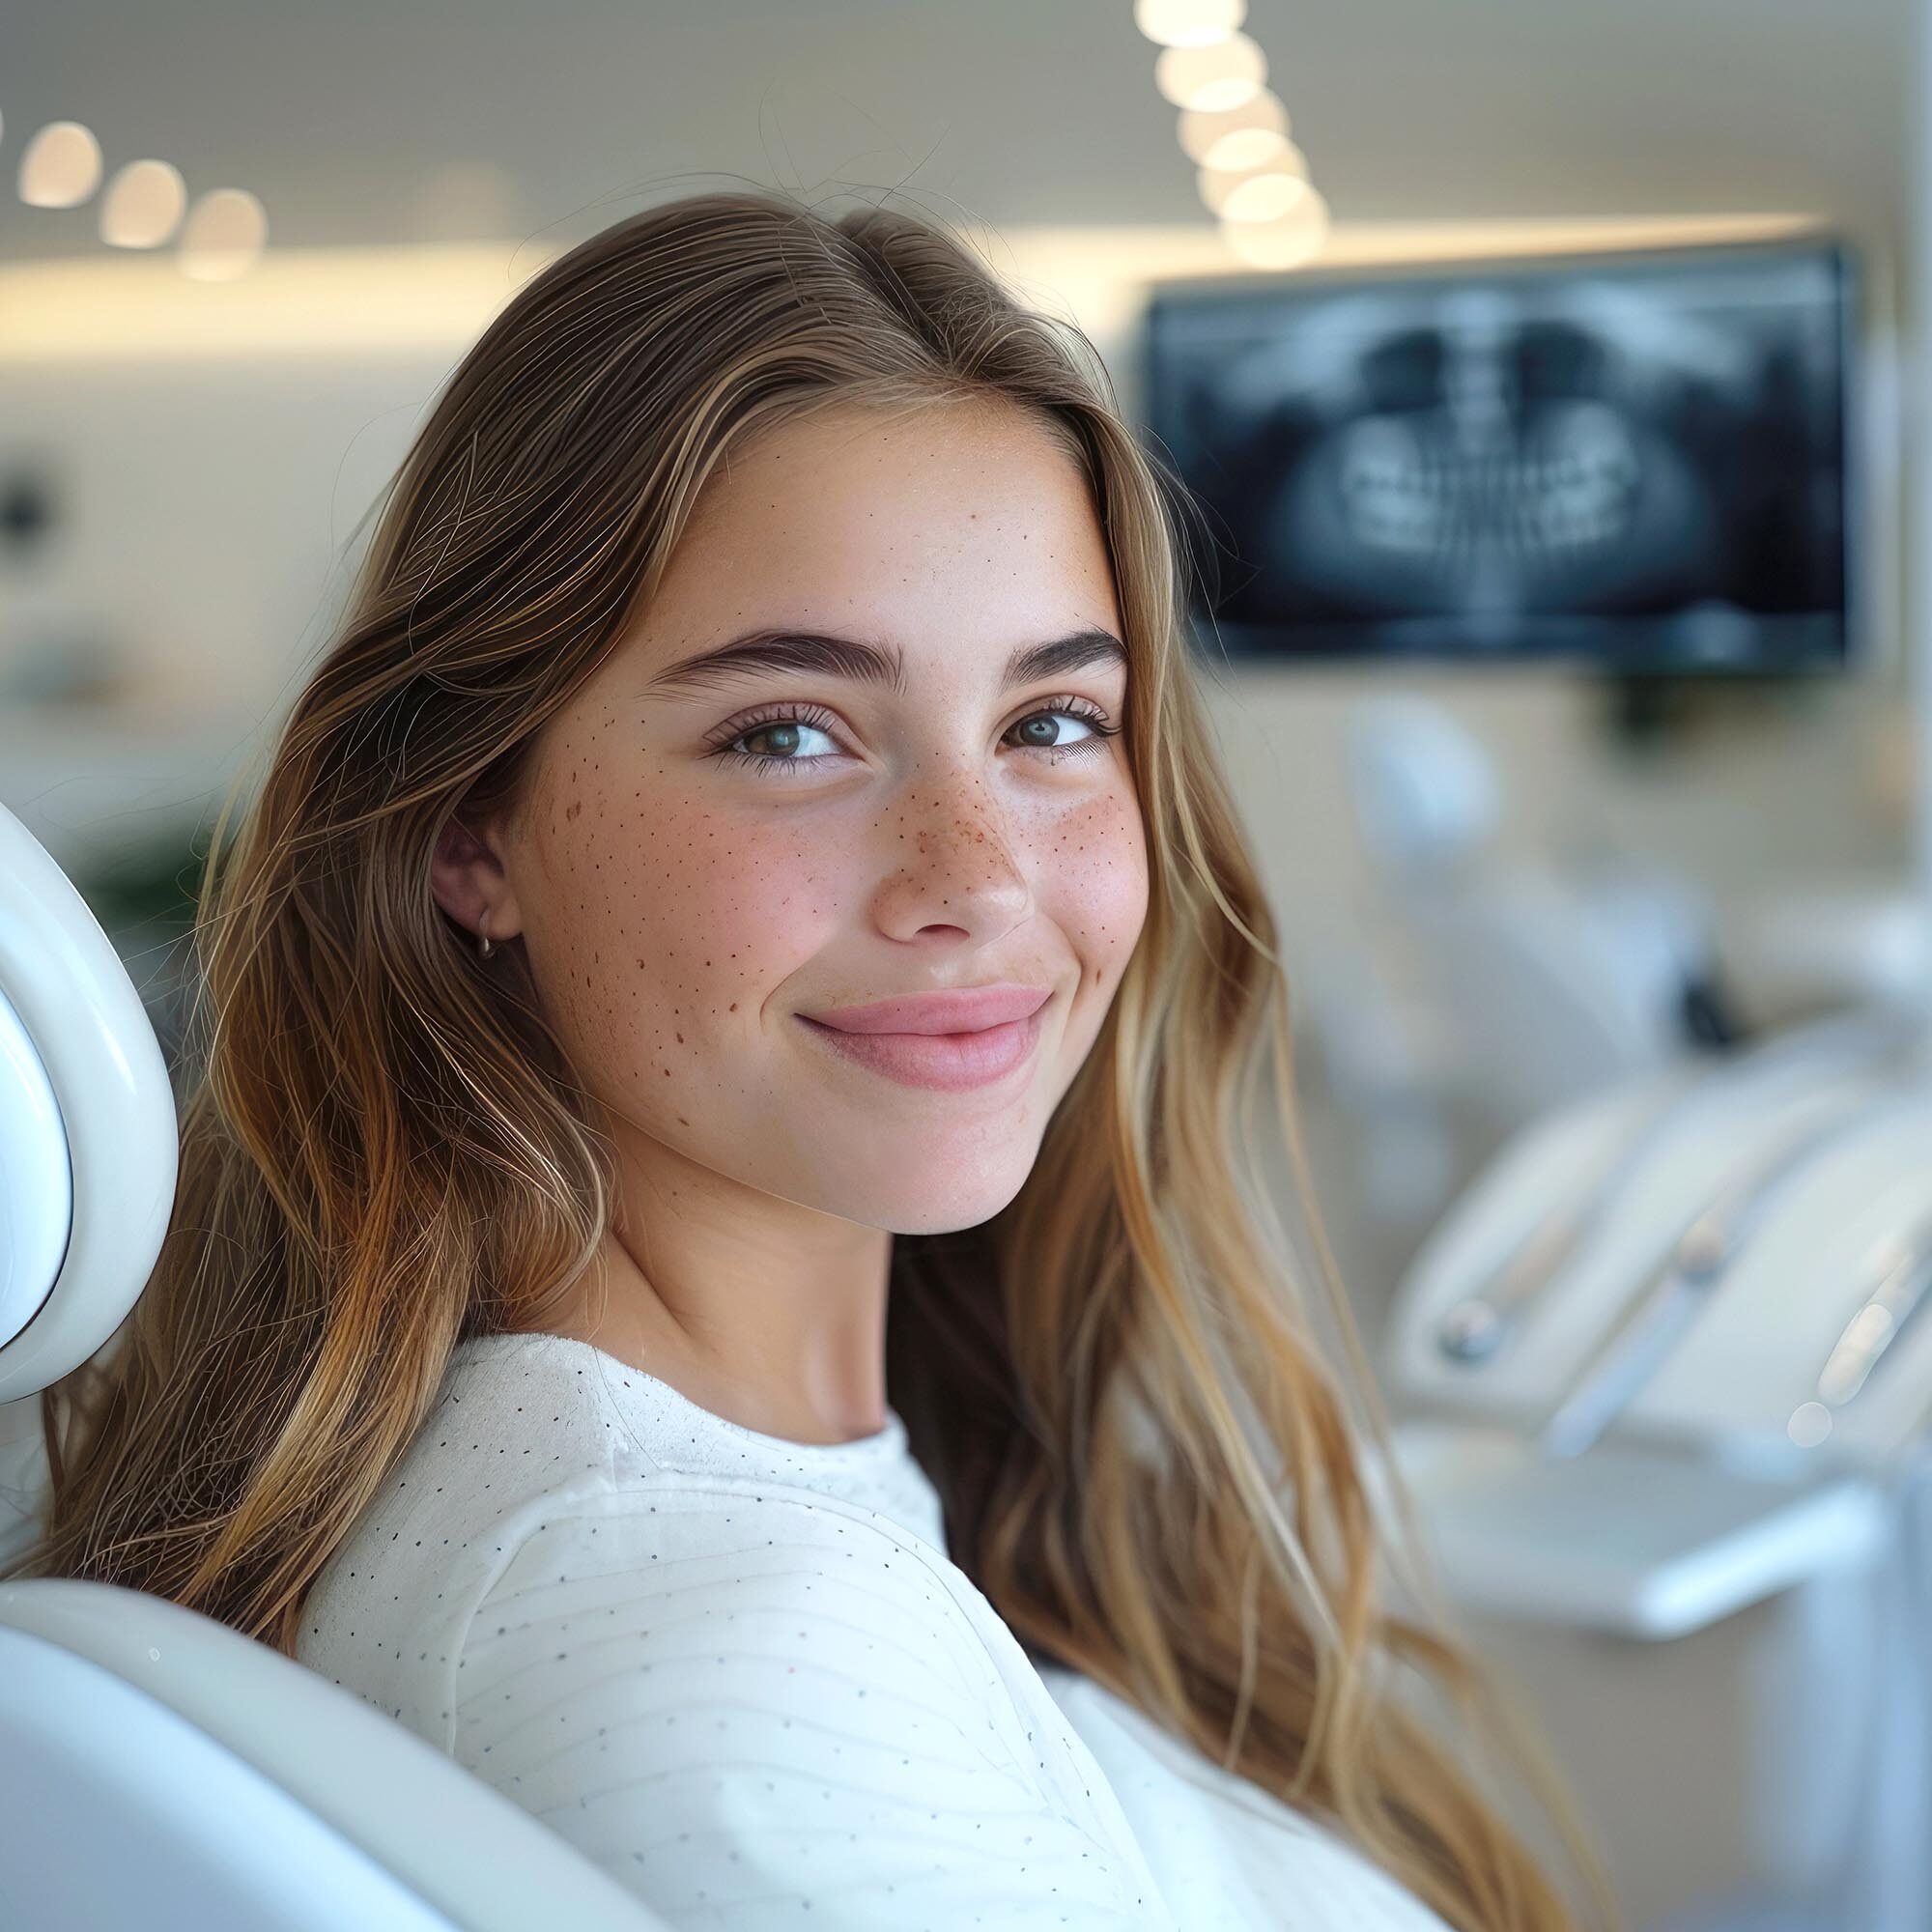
pixel 965 1010
pixel 944 1062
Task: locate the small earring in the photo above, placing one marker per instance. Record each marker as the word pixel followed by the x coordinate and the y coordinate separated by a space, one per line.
pixel 488 947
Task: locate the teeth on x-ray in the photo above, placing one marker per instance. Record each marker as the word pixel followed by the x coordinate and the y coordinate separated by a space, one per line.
pixel 1406 488
pixel 1636 456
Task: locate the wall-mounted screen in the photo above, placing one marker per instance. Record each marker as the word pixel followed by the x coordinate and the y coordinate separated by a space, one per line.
pixel 1636 460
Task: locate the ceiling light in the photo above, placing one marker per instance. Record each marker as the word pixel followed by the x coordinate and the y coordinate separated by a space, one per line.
pixel 1254 148
pixel 226 232
pixel 1267 196
pixel 60 166
pixel 1245 132
pixel 1214 77
pixel 1188 23
pixel 1286 243
pixel 1218 185
pixel 144 204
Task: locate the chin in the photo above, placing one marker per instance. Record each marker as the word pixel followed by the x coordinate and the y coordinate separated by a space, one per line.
pixel 938 1201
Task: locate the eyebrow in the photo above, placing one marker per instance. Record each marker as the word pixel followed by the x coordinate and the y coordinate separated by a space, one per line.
pixel 826 654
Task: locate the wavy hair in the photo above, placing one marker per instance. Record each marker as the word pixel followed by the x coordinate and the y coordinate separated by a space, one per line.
pixel 1149 1463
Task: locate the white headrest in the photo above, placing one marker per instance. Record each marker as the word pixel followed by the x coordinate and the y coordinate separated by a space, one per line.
pixel 89 1141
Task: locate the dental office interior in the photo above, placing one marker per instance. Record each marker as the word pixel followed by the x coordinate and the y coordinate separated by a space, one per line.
pixel 1553 377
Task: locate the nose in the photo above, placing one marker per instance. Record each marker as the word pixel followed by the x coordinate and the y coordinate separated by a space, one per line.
pixel 953 861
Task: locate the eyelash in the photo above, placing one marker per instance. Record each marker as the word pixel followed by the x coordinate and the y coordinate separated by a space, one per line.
pixel 1088 713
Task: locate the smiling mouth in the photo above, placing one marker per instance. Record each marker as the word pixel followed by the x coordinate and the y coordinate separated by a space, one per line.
pixel 941 1061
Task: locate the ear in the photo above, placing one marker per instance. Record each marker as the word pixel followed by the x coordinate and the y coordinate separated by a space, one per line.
pixel 468 878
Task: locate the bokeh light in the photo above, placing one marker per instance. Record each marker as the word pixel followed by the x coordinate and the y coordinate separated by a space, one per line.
pixel 60 166
pixel 1235 138
pixel 227 228
pixel 1288 241
pixel 1209 78
pixel 1188 23
pixel 1221 187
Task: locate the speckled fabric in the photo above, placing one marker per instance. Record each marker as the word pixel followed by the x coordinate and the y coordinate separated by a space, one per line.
pixel 741 1675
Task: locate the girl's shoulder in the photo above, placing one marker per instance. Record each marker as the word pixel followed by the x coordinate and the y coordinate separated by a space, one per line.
pixel 551 1591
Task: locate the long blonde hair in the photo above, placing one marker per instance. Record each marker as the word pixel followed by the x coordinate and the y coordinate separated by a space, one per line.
pixel 1148 1464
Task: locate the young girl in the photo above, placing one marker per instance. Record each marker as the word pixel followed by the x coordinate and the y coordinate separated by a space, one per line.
pixel 716 1273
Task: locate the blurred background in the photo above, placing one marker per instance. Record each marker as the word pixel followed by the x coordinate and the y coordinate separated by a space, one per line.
pixel 1548 373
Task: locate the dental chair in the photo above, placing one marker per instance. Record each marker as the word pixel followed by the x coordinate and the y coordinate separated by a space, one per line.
pixel 157 1768
pixel 1554 982
pixel 1674 1350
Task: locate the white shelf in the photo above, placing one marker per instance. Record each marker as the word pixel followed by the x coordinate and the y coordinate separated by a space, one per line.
pixel 1632 1542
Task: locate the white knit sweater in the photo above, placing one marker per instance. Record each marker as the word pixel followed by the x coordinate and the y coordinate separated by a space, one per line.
pixel 740 1674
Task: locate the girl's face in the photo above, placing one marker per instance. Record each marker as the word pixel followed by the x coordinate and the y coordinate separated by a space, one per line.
pixel 907 783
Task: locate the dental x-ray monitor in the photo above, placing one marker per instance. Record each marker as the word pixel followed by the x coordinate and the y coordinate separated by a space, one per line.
pixel 1636 460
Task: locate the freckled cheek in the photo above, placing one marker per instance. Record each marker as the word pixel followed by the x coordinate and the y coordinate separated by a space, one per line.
pixel 1100 887
pixel 724 915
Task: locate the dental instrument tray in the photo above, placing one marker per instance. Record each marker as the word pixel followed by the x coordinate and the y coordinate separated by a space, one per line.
pixel 1736 1260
